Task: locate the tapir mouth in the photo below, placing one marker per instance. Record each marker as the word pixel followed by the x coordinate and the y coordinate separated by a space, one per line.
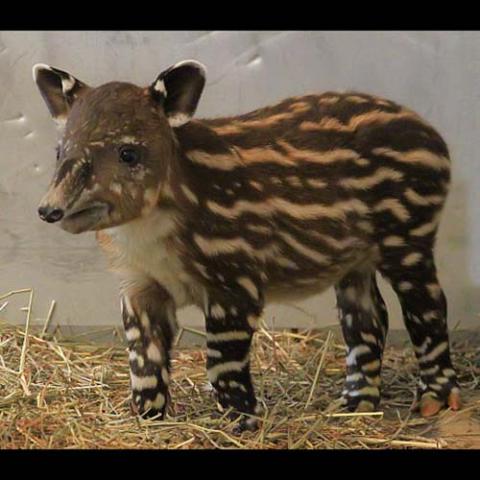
pixel 84 218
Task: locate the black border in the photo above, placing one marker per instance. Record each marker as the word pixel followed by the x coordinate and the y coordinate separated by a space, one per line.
pixel 181 15
pixel 379 464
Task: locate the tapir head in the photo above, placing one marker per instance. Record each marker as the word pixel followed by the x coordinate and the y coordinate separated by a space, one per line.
pixel 117 144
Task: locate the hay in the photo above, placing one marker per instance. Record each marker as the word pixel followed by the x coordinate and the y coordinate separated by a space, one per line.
pixel 56 393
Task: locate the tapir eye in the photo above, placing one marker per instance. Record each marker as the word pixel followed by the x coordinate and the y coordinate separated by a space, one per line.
pixel 129 155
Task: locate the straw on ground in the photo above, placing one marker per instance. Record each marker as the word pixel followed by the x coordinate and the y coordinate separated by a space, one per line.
pixel 56 393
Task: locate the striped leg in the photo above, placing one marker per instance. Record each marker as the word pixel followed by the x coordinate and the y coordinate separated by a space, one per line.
pixel 364 323
pixel 413 277
pixel 230 327
pixel 150 325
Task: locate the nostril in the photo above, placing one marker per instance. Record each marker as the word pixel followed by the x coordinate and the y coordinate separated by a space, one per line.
pixel 50 215
pixel 42 212
pixel 55 215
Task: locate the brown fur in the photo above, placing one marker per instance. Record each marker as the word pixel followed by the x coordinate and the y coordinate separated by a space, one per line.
pixel 279 203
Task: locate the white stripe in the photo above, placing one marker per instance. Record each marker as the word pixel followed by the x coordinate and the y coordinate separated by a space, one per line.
pixel 274 205
pixel 423 347
pixel 214 372
pixel 395 207
pixel 430 371
pixel 153 353
pixel 132 334
pixel 442 380
pixel 430 315
pixel 252 320
pixel 304 250
pixel 159 402
pixel 218 245
pixel 371 391
pixel 393 241
pixel 217 311
pixel 419 156
pixel 260 229
pixel 435 290
pixel 366 182
pixel 316 183
pixel 349 320
pixel 356 352
pixel 426 228
pixel 372 366
pixel 437 351
pixel 335 242
pixel 189 194
pixel 374 380
pixel 220 161
pixel 423 200
pixel 165 376
pixel 411 259
pixel 134 356
pixel 143 383
pixel 234 384
pixel 212 353
pixel 249 286
pixel 354 377
pixel 228 336
pixel 145 320
pixel 405 286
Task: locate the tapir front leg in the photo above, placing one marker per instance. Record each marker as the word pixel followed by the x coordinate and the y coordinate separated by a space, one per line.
pixel 150 325
pixel 231 321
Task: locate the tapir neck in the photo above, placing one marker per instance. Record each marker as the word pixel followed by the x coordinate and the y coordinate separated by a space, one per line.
pixel 202 168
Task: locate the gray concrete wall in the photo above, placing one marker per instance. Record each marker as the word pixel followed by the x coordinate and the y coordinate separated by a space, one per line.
pixel 435 73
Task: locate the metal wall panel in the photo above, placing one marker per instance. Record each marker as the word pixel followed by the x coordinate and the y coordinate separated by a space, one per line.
pixel 436 73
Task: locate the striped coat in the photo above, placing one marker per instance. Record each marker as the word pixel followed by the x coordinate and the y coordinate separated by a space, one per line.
pixel 283 202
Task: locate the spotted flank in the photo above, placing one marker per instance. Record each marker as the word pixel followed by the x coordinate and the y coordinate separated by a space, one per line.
pixel 227 214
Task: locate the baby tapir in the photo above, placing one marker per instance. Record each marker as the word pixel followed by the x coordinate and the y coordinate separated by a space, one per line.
pixel 229 213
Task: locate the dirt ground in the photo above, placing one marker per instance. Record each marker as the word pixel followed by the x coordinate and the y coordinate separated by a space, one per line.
pixel 58 393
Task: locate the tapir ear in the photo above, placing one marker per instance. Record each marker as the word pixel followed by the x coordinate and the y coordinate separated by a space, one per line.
pixel 59 89
pixel 179 89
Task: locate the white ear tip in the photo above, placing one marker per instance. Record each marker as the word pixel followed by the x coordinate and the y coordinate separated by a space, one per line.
pixel 193 63
pixel 37 67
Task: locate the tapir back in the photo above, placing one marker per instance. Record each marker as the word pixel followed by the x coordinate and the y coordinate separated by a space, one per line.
pixel 310 188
